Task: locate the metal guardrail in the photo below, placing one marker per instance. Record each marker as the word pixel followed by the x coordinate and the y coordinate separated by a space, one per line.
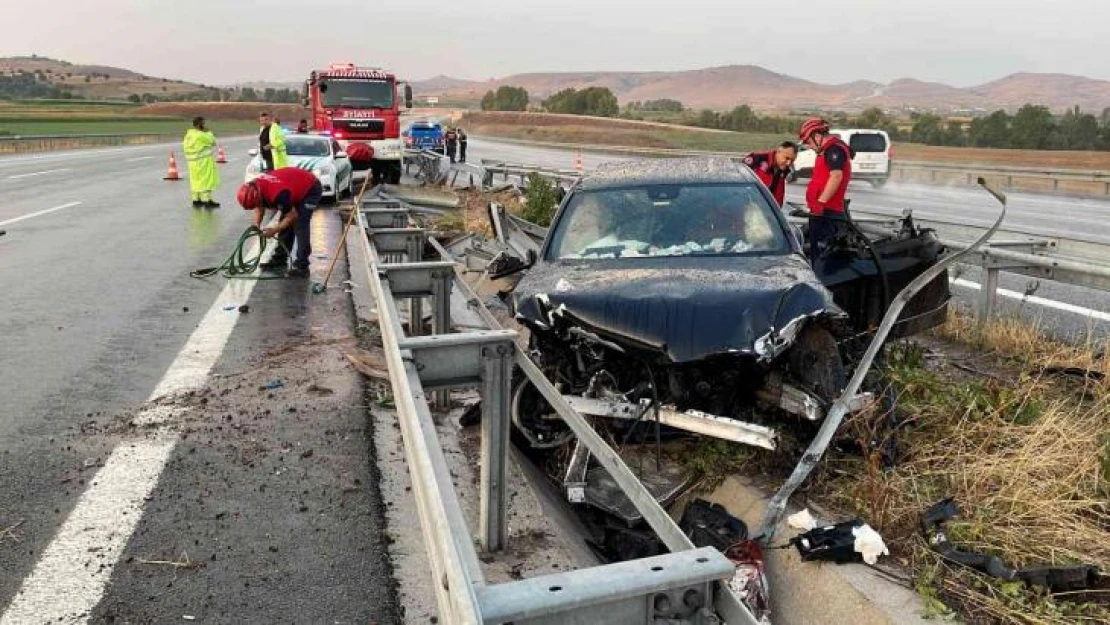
pixel 685 586
pixel 970 172
pixel 38 143
pixel 1044 255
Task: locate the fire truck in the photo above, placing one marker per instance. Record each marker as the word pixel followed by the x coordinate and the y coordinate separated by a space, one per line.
pixel 361 105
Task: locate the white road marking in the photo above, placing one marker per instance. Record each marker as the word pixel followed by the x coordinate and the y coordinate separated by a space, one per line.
pixel 69 579
pixel 38 173
pixel 39 213
pixel 1040 301
pixel 139 158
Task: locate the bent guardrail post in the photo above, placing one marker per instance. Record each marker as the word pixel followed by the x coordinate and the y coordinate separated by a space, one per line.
pixel 777 506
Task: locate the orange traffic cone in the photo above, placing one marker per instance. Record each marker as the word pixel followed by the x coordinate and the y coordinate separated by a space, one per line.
pixel 171 173
pixel 221 156
pixel 578 166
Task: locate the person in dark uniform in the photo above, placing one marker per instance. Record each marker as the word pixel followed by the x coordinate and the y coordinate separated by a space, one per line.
pixel 462 145
pixel 264 141
pixel 451 143
pixel 825 195
pixel 773 167
pixel 302 127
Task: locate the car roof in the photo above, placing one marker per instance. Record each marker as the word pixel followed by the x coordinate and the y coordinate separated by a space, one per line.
pixel 858 131
pixel 699 170
pixel 300 137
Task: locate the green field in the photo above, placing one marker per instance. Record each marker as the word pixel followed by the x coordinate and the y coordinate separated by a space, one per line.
pixel 59 117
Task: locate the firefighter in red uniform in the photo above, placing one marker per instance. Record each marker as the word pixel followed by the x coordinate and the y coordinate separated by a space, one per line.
pixel 773 167
pixel 831 173
pixel 296 193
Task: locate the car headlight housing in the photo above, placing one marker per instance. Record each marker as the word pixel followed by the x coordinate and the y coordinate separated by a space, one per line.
pixel 324 170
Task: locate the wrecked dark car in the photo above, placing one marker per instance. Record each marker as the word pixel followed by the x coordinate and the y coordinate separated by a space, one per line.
pixel 676 291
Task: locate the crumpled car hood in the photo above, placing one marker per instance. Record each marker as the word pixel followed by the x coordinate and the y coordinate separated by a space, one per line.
pixel 688 308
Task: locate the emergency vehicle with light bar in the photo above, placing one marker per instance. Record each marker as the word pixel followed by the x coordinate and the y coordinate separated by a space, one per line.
pixel 361 105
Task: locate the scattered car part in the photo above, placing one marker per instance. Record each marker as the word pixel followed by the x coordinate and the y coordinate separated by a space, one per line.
pixel 1055 578
pixel 803 520
pixel 832 543
pixel 749 582
pixel 816 450
pixel 710 525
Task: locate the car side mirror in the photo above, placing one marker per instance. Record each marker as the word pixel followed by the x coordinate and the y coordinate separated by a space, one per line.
pixel 340 154
pixel 253 151
pixel 532 259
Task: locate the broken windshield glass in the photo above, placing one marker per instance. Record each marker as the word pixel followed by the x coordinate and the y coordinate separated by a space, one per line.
pixel 667 220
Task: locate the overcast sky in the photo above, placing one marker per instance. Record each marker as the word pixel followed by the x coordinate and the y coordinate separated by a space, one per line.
pixel 226 41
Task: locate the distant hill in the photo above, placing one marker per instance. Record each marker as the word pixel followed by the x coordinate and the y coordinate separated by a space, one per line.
pixel 725 87
pixel 92 81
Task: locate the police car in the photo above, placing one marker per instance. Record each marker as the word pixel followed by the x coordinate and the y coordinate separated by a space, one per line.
pixel 319 154
pixel 870 156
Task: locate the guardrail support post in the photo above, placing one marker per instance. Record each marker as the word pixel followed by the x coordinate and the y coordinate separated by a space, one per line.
pixel 497 372
pixel 988 296
pixel 442 281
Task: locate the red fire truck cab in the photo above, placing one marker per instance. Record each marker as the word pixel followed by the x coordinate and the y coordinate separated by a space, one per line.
pixel 361 105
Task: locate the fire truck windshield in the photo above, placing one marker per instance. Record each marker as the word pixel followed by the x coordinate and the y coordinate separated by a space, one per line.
pixel 357 93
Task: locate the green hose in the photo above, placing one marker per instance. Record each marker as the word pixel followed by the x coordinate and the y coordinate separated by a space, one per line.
pixel 238 266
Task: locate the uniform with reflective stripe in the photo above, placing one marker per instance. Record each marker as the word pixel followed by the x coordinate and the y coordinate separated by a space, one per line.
pixel 204 176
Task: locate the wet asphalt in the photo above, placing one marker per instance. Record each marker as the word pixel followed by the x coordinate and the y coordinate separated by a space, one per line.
pixel 268 497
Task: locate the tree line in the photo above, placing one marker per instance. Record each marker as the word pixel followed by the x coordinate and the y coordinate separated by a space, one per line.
pixel 30 85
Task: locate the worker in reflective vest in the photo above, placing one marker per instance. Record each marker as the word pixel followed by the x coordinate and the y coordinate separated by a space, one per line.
pixel 825 196
pixel 204 177
pixel 773 167
pixel 296 193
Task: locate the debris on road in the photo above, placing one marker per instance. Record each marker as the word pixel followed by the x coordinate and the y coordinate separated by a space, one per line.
pixel 803 521
pixel 367 363
pixel 244 309
pixel 849 541
pixel 1056 578
pixel 271 385
pixel 749 582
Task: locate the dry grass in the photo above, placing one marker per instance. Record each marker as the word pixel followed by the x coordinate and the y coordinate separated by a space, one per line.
pixel 1017 158
pixel 1025 454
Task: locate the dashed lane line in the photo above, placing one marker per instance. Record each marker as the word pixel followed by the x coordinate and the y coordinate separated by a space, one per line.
pixel 69 579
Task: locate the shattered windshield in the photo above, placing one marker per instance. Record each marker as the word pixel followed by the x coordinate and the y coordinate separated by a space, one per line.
pixel 667 220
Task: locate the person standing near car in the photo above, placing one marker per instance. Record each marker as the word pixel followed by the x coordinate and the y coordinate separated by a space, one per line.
pixel 302 127
pixel 271 143
pixel 198 147
pixel 294 192
pixel 827 190
pixel 773 168
pixel 450 142
pixel 462 145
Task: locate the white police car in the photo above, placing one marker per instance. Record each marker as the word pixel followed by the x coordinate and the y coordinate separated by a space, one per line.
pixel 319 154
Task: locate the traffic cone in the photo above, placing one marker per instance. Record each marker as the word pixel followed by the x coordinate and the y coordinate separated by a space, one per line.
pixel 578 166
pixel 221 156
pixel 171 173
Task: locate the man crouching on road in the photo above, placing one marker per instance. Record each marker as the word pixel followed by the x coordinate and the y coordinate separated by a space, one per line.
pixel 773 168
pixel 296 193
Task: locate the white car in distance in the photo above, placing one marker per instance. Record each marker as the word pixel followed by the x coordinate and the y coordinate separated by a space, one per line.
pixel 871 153
pixel 321 155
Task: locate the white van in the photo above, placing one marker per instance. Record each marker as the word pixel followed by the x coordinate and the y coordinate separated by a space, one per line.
pixel 870 160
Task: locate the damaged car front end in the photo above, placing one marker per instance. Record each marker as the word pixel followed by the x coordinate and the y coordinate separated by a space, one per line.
pixel 677 292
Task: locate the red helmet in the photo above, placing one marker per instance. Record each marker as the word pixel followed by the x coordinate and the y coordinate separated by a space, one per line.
pixel 811 126
pixel 249 196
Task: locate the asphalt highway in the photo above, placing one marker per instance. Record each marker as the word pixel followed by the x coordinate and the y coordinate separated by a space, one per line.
pixel 242 505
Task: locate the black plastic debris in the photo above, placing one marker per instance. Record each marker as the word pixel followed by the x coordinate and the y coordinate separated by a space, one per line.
pixel 1055 578
pixel 830 543
pixel 710 525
